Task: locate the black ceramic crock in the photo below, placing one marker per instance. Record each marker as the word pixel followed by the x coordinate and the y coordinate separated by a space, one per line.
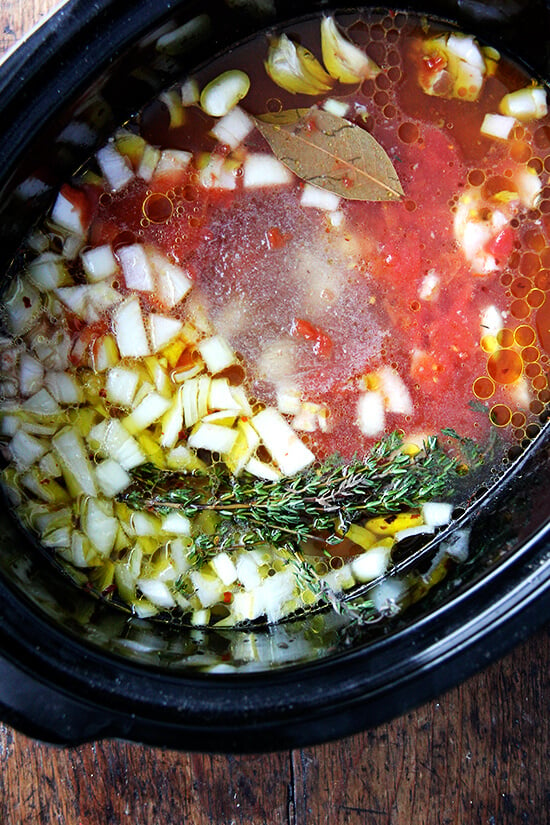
pixel 74 669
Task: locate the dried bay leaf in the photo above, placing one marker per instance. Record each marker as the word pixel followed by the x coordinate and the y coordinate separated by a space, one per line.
pixel 332 153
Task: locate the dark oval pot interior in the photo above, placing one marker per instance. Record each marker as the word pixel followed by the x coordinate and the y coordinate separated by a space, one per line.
pixel 72 668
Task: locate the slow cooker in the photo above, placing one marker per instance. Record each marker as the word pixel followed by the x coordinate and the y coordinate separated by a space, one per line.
pixel 73 668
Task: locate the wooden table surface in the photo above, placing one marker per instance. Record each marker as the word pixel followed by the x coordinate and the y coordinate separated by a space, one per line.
pixel 479 754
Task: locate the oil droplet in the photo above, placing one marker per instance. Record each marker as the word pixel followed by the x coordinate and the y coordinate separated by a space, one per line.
pixel 542 280
pixel 505 366
pixel 520 287
pixel 539 383
pixel 518 420
pixel 500 415
pixel 158 207
pixel 536 407
pixel 524 335
pixel 520 310
pixel 505 337
pixel 532 370
pixel 536 298
pixel 483 388
pixel 530 354
pixel 489 343
pixel 408 132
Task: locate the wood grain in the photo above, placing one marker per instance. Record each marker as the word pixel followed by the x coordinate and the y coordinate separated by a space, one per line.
pixel 478 755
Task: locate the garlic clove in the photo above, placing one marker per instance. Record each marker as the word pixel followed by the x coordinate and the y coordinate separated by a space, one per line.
pixel 344 60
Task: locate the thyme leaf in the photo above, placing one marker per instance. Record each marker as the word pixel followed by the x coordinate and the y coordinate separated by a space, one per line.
pixel 318 504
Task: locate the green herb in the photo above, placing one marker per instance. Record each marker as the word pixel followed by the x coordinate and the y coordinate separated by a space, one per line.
pixel 318 504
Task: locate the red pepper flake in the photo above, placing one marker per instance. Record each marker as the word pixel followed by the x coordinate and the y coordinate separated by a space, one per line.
pixel 227 597
pixel 27 302
pixel 502 246
pixel 435 62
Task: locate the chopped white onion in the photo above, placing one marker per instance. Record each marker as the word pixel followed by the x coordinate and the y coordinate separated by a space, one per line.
pixel 233 128
pixel 265 170
pixel 216 353
pixel 115 167
pixel 99 263
pixel 317 198
pixel 129 329
pixel 289 453
pixel 497 126
pixel 136 267
pixel 371 417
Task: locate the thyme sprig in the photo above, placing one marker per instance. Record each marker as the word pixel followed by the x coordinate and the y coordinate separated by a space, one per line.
pixel 318 504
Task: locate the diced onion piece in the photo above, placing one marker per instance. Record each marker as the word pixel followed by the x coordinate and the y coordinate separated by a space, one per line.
pixel 172 283
pixel 148 411
pixel 171 161
pixel 64 387
pixel 149 162
pixel 145 524
pixel 190 92
pixel 25 449
pixel 115 168
pixel 41 403
pixel 371 564
pixel 525 104
pixel 220 396
pixel 136 268
pixel 437 513
pixel 232 129
pixel 295 69
pixel 497 126
pixel 157 592
pixel 219 173
pixel 121 386
pixel 112 478
pixel 68 213
pixel 183 459
pixel 336 107
pixel 99 263
pixel 272 596
pixel 172 421
pixel 247 571
pixel 216 354
pixel 213 437
pixel 289 453
pixel 224 92
pixel 77 467
pixel 265 170
pixel 22 304
pixel 244 448
pixel 224 568
pixel 99 524
pixel 262 470
pixel 31 375
pixel 162 329
pixel 397 398
pixel 49 271
pixel 129 329
pixel 491 321
pixel 176 523
pixel 318 198
pixel 464 69
pixel 371 417
pixel 114 441
pixel 343 59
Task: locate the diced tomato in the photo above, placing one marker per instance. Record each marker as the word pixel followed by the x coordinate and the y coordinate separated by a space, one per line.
pixel 501 247
pixel 275 238
pixel 322 343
